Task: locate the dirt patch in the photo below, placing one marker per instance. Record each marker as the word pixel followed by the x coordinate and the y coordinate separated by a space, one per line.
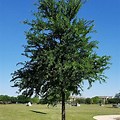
pixel 107 117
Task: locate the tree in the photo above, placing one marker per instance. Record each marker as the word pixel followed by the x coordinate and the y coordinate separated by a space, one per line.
pixel 61 53
pixel 88 101
pixel 13 99
pixel 114 100
pixel 96 100
pixel 4 99
pixel 35 100
pixel 23 99
pixel 80 100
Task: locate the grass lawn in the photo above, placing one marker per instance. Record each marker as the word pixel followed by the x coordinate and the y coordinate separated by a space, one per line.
pixel 42 112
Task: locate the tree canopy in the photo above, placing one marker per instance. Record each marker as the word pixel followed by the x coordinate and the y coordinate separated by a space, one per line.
pixel 61 53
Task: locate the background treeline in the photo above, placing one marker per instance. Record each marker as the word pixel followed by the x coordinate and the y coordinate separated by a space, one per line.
pixel 97 100
pixel 5 99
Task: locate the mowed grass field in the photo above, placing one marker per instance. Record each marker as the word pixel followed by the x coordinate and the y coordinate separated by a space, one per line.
pixel 42 112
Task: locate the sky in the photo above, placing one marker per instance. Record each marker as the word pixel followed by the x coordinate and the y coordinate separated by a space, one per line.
pixel 106 16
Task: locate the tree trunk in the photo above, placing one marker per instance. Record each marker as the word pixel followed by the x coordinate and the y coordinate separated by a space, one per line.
pixel 63 105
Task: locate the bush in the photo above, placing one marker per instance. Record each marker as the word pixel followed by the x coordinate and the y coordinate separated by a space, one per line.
pixel 80 100
pixel 4 99
pixel 35 100
pixel 114 101
pixel 88 101
pixel 23 99
pixel 96 100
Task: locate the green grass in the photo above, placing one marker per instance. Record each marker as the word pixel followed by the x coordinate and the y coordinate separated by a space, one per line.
pixel 42 112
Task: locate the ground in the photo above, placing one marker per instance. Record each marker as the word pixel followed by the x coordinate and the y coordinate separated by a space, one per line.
pixel 42 112
pixel 107 117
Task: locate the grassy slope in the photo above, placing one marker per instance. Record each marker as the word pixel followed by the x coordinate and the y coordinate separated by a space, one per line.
pixel 41 112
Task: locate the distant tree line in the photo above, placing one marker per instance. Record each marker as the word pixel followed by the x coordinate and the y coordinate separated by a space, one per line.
pixel 94 100
pixel 5 99
pixel 97 100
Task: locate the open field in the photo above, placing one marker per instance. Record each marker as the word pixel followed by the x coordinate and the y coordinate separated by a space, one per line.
pixel 42 112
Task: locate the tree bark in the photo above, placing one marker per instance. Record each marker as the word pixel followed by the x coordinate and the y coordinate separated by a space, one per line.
pixel 63 105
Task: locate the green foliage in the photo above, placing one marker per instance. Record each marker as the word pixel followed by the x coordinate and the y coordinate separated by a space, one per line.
pixel 60 51
pixel 4 98
pixel 13 99
pixel 88 101
pixel 102 101
pixel 35 100
pixel 114 100
pixel 80 100
pixel 96 100
pixel 19 99
pixel 23 99
pixel 43 101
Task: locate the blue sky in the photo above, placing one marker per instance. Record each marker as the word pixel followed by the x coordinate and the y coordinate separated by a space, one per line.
pixel 106 16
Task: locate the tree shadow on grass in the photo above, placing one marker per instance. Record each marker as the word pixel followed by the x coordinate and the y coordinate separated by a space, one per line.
pixel 35 111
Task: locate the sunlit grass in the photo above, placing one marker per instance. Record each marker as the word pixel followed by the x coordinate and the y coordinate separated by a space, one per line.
pixel 42 112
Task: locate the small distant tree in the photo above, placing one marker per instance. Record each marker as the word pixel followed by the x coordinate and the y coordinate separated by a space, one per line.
pixel 5 98
pixel 114 100
pixel 23 99
pixel 102 101
pixel 96 100
pixel 35 100
pixel 61 53
pixel 88 101
pixel 80 100
pixel 13 99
